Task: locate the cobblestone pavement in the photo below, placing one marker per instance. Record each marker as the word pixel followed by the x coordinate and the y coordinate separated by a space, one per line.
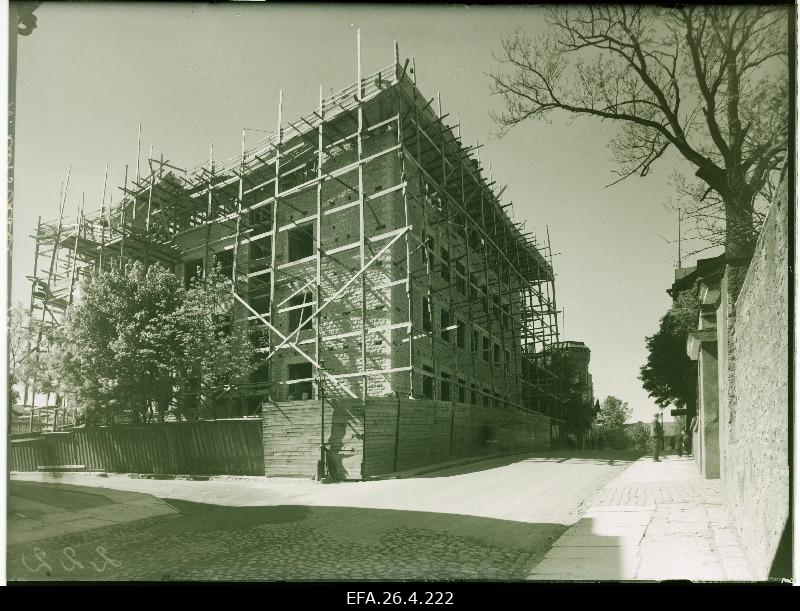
pixel 301 541
pixel 657 521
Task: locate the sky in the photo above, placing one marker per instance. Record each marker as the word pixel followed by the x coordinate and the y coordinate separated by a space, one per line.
pixel 194 75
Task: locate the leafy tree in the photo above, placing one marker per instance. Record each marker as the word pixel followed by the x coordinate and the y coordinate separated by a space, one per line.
pixel 710 82
pixel 27 366
pixel 639 436
pixel 669 375
pixel 219 355
pixel 135 336
pixel 18 335
pixel 120 341
pixel 611 422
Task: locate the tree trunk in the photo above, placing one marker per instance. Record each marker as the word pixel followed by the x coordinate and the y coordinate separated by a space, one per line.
pixel 740 235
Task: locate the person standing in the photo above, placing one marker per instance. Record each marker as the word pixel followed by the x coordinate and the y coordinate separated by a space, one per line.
pixel 658 435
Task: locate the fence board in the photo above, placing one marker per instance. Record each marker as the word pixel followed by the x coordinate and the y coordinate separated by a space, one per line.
pixel 217 447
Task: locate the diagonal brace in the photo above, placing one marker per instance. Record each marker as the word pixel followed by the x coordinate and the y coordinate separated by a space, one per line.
pixel 341 290
pixel 303 354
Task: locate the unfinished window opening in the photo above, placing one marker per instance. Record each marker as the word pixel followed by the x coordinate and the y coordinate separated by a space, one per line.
pixel 445 265
pixel 224 259
pixel 461 281
pixel 476 341
pixel 427 382
pixel 299 383
pixel 261 219
pixel 445 387
pixel 474 394
pixel 192 270
pixel 444 323
pixel 461 334
pixel 260 254
pixel 301 242
pixel 301 316
pixel 259 300
pixel 487 349
pixel 462 390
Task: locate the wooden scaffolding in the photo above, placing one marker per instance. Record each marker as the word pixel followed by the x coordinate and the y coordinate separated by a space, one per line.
pixel 493 275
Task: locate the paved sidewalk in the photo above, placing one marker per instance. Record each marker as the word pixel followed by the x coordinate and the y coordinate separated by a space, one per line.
pixel 42 511
pixel 656 521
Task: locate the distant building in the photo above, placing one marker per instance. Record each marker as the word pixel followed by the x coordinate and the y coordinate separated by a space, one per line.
pixel 571 360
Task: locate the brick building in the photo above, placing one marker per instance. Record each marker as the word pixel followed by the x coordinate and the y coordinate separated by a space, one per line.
pixel 364 237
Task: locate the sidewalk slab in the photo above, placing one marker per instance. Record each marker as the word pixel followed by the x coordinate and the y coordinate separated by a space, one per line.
pixel 656 521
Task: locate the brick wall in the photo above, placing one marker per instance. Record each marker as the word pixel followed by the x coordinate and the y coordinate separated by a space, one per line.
pixel 392 185
pixel 754 433
pixel 392 435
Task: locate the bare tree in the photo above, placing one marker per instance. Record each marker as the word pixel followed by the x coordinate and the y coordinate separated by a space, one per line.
pixel 710 82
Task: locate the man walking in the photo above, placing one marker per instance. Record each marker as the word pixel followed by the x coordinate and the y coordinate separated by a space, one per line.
pixel 658 435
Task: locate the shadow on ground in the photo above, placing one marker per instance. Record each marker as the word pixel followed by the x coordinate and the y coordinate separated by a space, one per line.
pixel 290 543
pixel 28 495
pixel 597 457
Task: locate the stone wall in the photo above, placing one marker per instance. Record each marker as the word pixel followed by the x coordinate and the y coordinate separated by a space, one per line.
pixel 392 435
pixel 754 431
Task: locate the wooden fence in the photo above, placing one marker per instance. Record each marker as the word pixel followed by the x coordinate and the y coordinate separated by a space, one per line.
pixel 214 447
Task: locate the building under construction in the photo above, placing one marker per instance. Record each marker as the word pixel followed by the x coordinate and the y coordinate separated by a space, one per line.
pixel 364 236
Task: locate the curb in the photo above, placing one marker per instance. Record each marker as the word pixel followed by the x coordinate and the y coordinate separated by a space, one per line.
pixel 408 473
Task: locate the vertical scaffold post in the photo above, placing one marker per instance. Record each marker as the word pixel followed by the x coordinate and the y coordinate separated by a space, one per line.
pixel 552 285
pixel 238 223
pixel 209 209
pixel 320 391
pixel 150 191
pixel 138 160
pixel 276 191
pixel 122 218
pixel 75 255
pixel 318 262
pixel 361 228
pixel 34 287
pixel 103 220
pixel 409 271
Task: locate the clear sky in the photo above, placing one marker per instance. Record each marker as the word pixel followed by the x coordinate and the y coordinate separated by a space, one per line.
pixel 194 75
